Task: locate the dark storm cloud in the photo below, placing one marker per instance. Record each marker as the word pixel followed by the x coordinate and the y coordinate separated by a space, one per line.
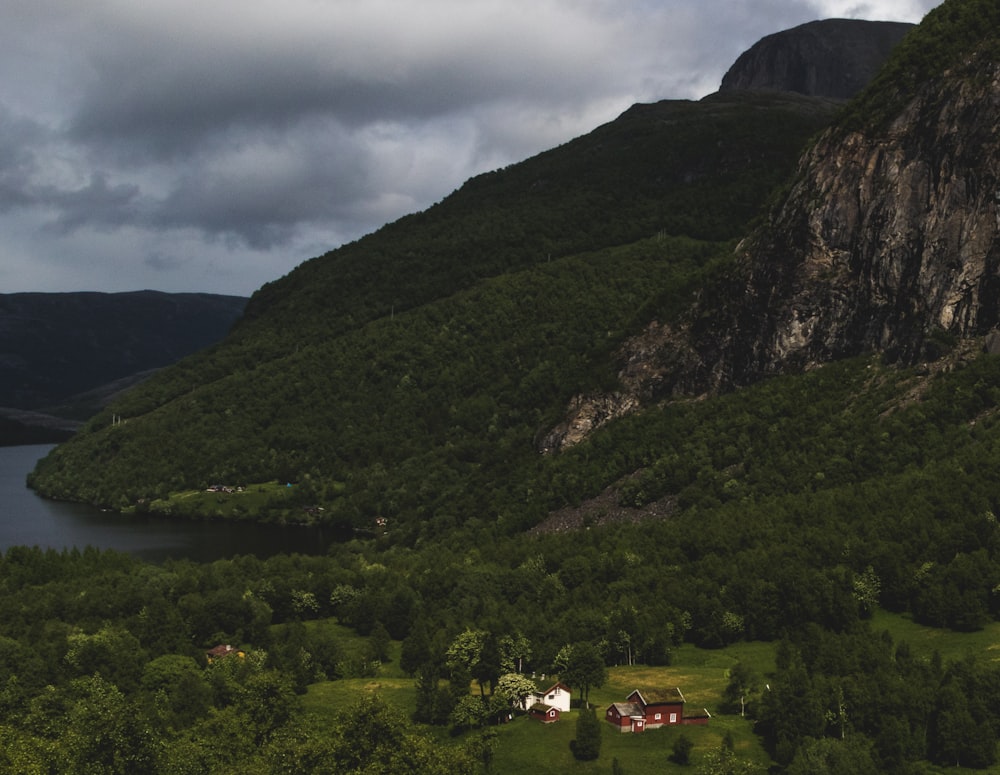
pixel 97 204
pixel 191 140
pixel 17 163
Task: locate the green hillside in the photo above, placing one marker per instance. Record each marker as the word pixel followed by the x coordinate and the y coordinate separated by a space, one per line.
pixel 960 35
pixel 407 375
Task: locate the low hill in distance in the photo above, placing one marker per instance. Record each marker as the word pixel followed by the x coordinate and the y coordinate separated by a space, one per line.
pixel 64 355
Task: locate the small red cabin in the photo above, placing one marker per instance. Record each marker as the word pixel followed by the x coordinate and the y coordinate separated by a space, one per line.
pixel 544 713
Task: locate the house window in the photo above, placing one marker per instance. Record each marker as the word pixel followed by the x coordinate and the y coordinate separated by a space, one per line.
pixel 673 718
pixel 657 717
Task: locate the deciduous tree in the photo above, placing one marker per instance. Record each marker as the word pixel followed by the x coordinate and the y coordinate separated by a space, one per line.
pixel 585 670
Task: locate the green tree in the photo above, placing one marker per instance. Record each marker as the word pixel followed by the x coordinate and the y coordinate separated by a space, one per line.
pixel 105 733
pixel 24 754
pixel 483 748
pixel 379 642
pixel 469 712
pixel 867 590
pixel 682 750
pixel 586 746
pixel 417 649
pixel 267 700
pixel 742 683
pixel 827 756
pixel 584 670
pixel 514 649
pixel 434 702
pixel 112 651
pixel 486 669
pixel 514 688
pixel 178 689
pixel 465 649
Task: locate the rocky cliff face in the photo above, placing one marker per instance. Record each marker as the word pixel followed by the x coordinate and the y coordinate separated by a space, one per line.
pixel 888 242
pixel 829 58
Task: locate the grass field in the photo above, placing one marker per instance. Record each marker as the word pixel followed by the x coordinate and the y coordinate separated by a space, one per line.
pixel 950 645
pixel 525 745
pixel 250 502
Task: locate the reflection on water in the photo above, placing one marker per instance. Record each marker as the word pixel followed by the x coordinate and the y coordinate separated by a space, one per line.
pixel 26 519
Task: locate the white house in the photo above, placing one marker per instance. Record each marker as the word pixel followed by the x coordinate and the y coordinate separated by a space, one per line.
pixel 556 696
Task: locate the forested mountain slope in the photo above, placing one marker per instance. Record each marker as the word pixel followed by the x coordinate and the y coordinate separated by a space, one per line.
pixel 425 359
pixel 64 356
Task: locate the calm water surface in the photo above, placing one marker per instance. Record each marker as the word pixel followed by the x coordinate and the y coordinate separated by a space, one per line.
pixel 26 519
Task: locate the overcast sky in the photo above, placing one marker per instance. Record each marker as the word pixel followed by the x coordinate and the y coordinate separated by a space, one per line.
pixel 213 145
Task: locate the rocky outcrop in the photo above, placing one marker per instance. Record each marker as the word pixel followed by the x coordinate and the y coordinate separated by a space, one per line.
pixel 888 242
pixel 830 58
pixel 585 414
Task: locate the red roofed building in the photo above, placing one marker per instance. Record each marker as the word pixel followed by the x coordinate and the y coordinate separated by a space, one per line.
pixel 651 710
pixel 223 650
pixel 544 713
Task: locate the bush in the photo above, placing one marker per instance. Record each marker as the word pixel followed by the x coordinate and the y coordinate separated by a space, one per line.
pixel 587 745
pixel 682 750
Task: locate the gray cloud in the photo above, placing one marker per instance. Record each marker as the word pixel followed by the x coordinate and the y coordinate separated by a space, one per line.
pixel 97 204
pixel 186 147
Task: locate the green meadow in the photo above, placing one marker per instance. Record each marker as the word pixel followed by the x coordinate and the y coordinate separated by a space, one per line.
pixel 525 745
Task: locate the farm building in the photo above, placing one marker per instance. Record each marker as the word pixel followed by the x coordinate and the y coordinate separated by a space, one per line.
pixel 651 710
pixel 555 696
pixel 544 713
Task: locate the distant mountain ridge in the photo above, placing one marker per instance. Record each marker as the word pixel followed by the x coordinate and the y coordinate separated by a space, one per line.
pixel 828 58
pixel 56 346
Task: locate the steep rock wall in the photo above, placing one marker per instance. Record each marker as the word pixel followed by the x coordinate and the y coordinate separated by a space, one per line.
pixel 888 241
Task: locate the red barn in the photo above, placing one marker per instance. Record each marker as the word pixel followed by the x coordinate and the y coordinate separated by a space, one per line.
pixel 651 710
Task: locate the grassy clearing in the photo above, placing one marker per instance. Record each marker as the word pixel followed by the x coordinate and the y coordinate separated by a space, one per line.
pixel 984 644
pixel 527 745
pixel 543 749
pixel 326 699
pixel 252 502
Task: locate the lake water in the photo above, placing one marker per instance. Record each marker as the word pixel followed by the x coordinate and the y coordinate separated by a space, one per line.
pixel 29 520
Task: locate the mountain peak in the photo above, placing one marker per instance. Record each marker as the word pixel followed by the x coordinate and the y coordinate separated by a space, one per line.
pixel 828 58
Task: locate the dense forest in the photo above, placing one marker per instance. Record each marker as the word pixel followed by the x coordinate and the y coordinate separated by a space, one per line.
pixel 398 389
pixel 789 512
